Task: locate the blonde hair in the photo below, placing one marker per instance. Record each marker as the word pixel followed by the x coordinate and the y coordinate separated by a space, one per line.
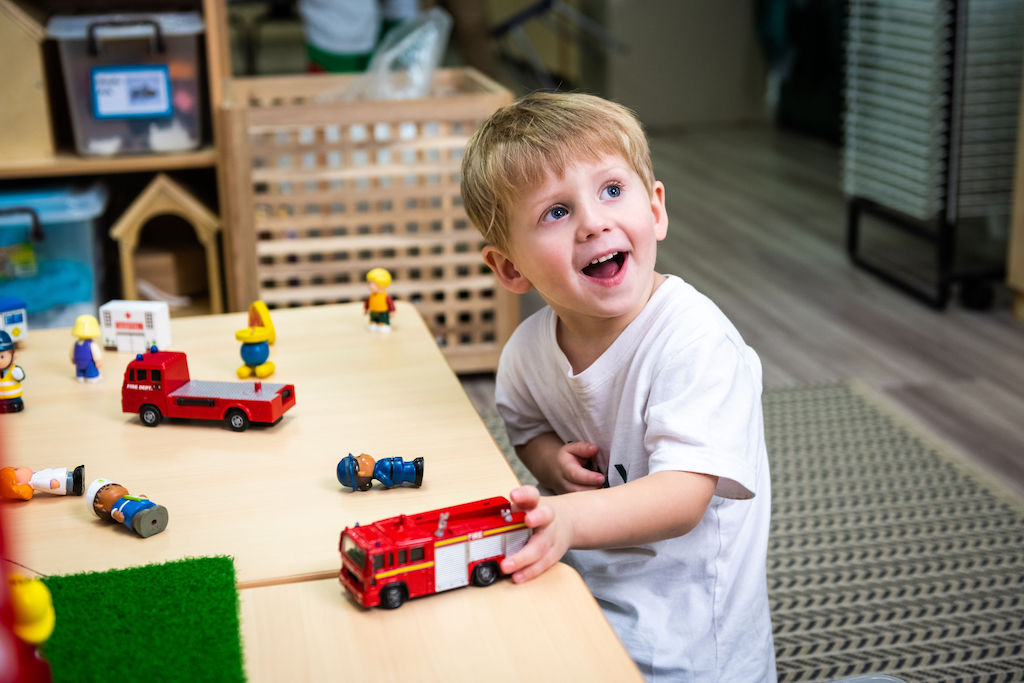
pixel 542 134
pixel 379 276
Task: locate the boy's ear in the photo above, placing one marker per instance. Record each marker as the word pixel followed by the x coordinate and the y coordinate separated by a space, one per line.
pixel 510 278
pixel 658 210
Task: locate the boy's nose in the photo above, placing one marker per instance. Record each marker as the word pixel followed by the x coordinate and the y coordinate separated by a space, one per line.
pixel 590 223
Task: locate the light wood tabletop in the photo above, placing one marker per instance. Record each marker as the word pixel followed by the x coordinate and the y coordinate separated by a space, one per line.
pixel 547 629
pixel 269 496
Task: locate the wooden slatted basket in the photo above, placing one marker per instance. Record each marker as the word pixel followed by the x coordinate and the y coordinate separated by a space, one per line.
pixel 322 190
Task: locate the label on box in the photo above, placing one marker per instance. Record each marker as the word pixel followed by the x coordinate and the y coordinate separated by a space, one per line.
pixel 124 92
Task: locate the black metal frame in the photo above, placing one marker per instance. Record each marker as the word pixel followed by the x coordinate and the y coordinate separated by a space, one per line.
pixel 941 231
pixel 942 234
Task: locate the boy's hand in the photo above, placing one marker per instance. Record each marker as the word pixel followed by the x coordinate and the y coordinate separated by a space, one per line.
pixel 573 474
pixel 552 535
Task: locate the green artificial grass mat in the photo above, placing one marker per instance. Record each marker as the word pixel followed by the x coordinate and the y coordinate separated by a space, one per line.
pixel 176 621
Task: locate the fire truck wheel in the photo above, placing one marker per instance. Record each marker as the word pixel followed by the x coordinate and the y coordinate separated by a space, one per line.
pixel 485 574
pixel 237 420
pixel 150 416
pixel 392 597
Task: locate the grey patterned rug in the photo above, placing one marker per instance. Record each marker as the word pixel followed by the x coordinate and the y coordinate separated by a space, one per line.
pixel 888 553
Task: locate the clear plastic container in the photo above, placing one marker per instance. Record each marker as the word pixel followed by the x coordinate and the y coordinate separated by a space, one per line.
pixel 132 80
pixel 48 255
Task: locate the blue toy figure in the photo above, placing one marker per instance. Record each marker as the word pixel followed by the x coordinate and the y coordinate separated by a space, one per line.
pixel 86 355
pixel 111 501
pixel 11 377
pixel 356 473
pixel 394 471
pixel 359 473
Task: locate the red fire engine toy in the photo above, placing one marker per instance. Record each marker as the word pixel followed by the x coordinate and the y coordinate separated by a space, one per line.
pixel 392 560
pixel 157 385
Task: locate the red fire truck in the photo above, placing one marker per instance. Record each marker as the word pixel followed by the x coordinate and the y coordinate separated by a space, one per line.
pixel 157 385
pixel 392 560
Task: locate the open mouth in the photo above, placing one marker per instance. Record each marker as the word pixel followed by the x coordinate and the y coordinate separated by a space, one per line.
pixel 606 266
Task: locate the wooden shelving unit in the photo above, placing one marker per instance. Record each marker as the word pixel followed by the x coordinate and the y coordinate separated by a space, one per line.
pixel 70 164
pixel 66 162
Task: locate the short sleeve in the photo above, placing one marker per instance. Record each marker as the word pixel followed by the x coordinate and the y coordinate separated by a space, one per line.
pixel 522 416
pixel 704 415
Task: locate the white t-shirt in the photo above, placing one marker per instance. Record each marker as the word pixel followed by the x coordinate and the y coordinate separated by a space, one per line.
pixel 677 390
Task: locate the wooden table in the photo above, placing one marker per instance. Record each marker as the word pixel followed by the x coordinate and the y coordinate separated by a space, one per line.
pixel 548 629
pixel 269 497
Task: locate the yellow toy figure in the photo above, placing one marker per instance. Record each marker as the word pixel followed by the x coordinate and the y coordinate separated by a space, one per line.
pixel 34 619
pixel 86 355
pixel 11 377
pixel 379 305
pixel 256 340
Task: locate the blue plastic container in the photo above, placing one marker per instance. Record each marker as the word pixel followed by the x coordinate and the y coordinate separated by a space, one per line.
pixel 47 250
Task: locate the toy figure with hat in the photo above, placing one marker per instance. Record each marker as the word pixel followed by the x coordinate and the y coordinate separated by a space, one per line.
pixel 111 502
pixel 11 377
pixel 86 355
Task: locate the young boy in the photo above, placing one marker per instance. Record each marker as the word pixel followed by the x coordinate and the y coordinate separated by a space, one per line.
pixel 630 395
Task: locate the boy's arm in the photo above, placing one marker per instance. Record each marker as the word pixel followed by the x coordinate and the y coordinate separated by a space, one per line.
pixel 559 466
pixel 662 505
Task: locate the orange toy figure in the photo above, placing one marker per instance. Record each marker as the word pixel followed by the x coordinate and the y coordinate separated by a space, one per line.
pixel 21 483
pixel 380 306
pixel 110 501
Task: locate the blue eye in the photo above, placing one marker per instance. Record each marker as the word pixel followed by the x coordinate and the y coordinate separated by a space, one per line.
pixel 556 212
pixel 611 192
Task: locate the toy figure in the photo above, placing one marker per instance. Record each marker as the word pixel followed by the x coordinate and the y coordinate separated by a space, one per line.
pixel 255 351
pixel 379 305
pixel 34 619
pixel 256 340
pixel 21 483
pixel 356 472
pixel 11 377
pixel 86 355
pixel 359 473
pixel 394 471
pixel 111 502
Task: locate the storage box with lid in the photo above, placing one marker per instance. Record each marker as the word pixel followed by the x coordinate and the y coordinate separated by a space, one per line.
pixel 48 255
pixel 132 80
pixel 321 190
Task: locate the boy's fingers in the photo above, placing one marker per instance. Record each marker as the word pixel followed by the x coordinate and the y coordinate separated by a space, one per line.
pixel 539 516
pixel 582 449
pixel 534 569
pixel 581 479
pixel 585 477
pixel 524 498
pixel 525 557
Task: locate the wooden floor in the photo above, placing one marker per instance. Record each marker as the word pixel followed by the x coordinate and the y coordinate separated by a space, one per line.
pixel 757 222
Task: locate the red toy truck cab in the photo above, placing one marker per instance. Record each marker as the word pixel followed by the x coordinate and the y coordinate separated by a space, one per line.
pixel 157 385
pixel 392 560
